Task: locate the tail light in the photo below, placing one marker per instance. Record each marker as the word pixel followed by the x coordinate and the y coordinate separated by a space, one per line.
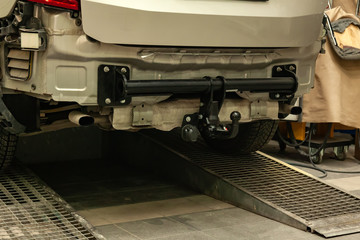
pixel 69 4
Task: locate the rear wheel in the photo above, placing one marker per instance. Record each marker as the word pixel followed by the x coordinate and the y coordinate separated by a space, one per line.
pixel 251 137
pixel 8 142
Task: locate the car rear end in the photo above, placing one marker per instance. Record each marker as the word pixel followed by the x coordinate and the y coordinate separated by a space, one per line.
pixel 148 63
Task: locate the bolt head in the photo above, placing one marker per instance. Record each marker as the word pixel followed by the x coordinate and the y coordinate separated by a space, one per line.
pixel 106 69
pixel 201 104
pixel 123 101
pixel 279 69
pixel 123 70
pixel 201 116
pixel 78 22
pixel 108 101
pixel 277 95
pixel 188 119
pixel 291 68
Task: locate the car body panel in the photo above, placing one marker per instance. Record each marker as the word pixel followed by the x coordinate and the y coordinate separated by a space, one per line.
pixel 6 7
pixel 211 23
pixel 78 46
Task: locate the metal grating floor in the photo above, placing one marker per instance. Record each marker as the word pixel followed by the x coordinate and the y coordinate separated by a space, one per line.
pixel 31 210
pixel 285 187
pixel 267 186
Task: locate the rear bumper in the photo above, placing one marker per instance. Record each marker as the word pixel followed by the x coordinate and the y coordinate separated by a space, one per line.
pixel 274 23
pixel 6 6
pixel 68 69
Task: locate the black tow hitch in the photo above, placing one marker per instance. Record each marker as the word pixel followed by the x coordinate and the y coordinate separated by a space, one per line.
pixel 207 121
pixel 190 132
pixel 115 89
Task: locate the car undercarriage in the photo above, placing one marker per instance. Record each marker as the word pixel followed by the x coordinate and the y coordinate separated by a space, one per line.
pixel 62 68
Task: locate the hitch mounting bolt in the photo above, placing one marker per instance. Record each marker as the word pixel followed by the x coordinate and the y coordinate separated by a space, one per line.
pixel 123 70
pixel 108 101
pixel 78 22
pixel 291 68
pixel 279 69
pixel 277 95
pixel 123 101
pixel 188 119
pixel 106 69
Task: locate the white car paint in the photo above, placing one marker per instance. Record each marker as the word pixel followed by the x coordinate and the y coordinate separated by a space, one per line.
pixel 6 7
pixel 210 23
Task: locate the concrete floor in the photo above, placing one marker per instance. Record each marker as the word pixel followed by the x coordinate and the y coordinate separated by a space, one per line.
pixel 123 202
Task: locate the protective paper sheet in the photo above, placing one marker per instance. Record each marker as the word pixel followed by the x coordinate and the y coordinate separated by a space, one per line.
pixel 336 95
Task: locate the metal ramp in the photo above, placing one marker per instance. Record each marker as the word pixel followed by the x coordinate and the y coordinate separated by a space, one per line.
pixel 256 182
pixel 31 210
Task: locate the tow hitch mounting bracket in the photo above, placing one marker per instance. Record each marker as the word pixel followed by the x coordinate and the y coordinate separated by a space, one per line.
pixel 115 89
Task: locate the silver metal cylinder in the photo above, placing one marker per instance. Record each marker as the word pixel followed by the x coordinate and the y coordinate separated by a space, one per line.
pixel 81 119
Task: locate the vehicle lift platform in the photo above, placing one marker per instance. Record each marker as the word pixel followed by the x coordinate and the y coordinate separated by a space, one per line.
pixel 257 182
pixel 30 210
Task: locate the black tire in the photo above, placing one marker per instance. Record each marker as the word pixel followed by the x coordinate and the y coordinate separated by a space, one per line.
pixel 251 137
pixel 8 142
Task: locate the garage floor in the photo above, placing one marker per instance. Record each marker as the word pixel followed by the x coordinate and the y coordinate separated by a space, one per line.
pixel 124 202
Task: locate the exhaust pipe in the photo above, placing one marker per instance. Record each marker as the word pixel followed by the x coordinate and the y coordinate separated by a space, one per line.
pixel 98 119
pixel 81 119
pixel 296 110
pixel 289 109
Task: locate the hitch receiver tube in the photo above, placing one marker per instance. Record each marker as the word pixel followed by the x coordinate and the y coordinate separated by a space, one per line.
pixel 148 87
pixel 115 87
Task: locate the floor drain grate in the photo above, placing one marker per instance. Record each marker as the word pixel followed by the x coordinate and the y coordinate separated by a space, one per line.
pixel 31 210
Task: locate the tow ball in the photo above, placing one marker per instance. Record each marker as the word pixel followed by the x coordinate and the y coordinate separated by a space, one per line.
pixel 192 130
pixel 206 121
